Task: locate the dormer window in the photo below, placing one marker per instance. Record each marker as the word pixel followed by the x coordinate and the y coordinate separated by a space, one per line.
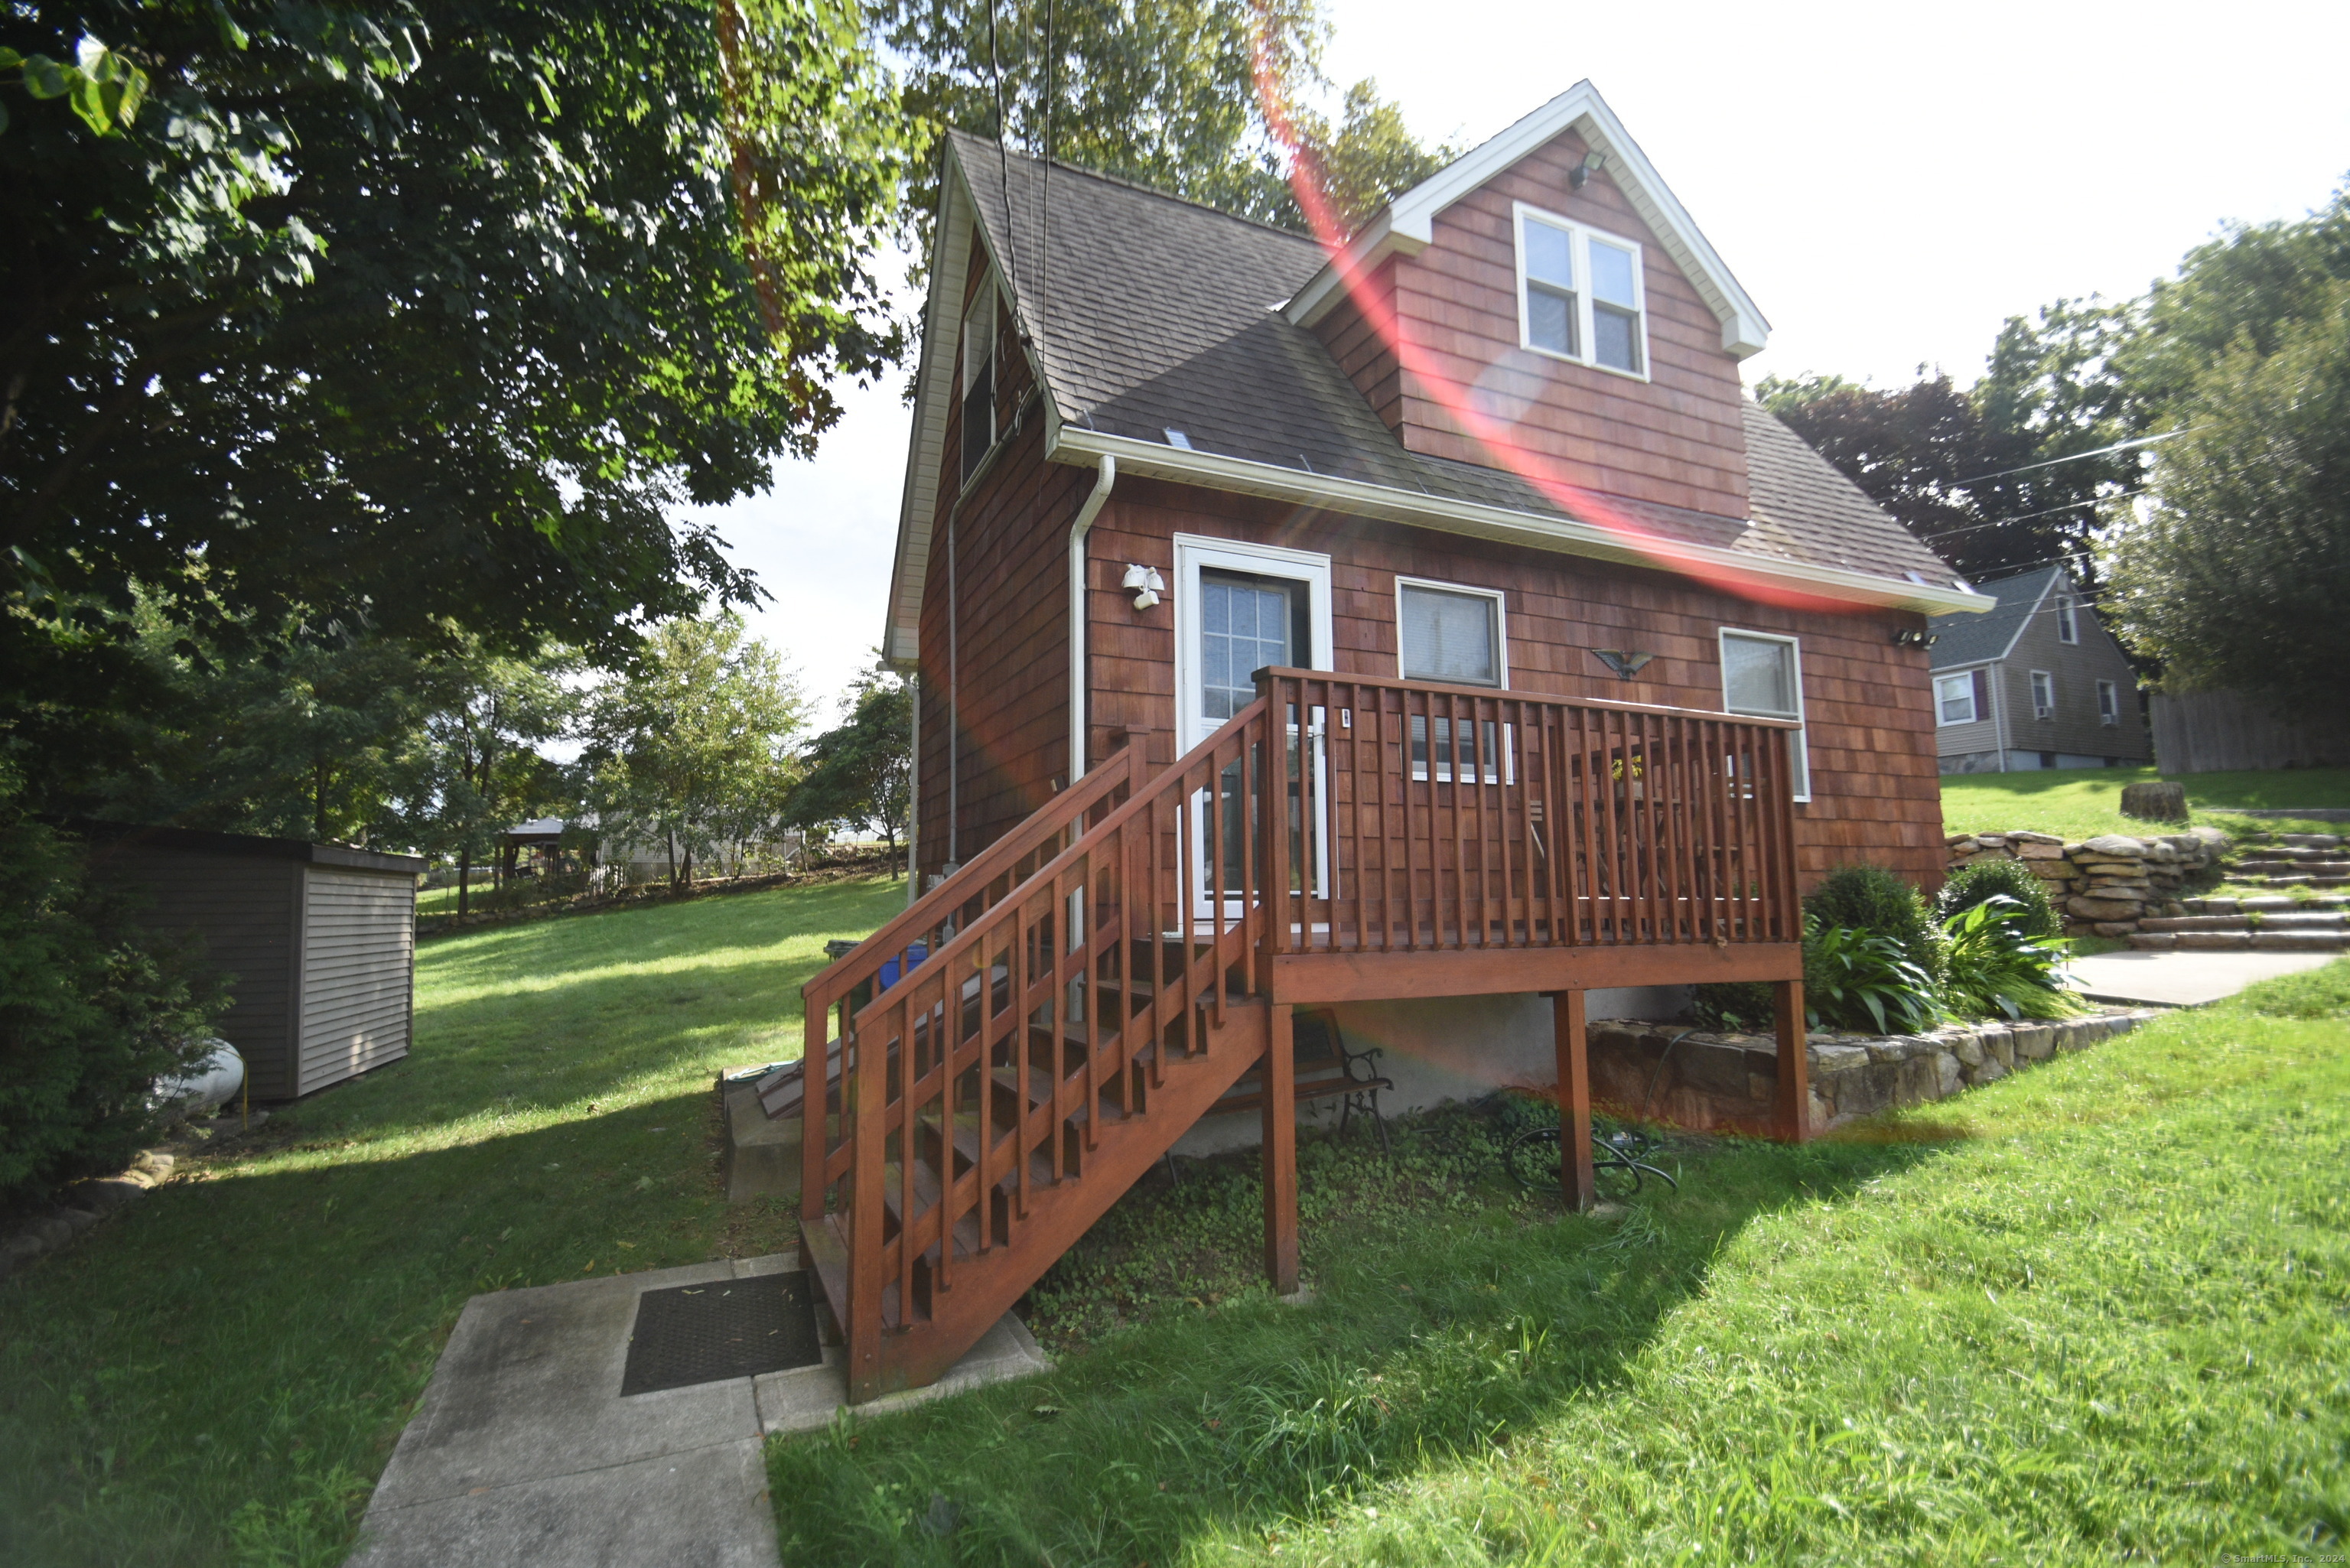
pixel 979 380
pixel 1580 294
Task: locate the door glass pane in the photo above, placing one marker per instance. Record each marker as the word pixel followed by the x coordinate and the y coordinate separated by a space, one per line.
pixel 1244 626
pixel 1758 677
pixel 1449 636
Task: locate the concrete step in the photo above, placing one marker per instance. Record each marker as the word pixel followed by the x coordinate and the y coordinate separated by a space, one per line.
pixel 2258 920
pixel 2243 942
pixel 2271 904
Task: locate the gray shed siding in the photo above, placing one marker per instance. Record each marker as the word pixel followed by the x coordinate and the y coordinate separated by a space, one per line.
pixel 358 958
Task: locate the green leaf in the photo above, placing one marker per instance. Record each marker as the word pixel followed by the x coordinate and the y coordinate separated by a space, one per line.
pixel 45 77
pixel 231 33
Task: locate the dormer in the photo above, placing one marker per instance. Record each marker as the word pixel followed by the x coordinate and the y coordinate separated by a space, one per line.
pixel 1545 305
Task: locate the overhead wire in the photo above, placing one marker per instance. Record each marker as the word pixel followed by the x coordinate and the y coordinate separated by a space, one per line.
pixel 2078 456
pixel 2027 516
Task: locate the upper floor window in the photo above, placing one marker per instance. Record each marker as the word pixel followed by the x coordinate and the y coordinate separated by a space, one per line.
pixel 1763 675
pixel 1449 634
pixel 2109 702
pixel 1580 294
pixel 2068 628
pixel 979 379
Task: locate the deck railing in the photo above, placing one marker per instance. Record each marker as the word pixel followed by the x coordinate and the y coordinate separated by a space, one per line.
pixel 1419 817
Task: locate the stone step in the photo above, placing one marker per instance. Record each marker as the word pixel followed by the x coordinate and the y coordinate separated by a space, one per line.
pixel 2257 920
pixel 2243 942
pixel 2266 879
pixel 2311 840
pixel 2273 904
pixel 2316 865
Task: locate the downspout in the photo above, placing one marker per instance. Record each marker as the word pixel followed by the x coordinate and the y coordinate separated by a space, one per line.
pixel 914 786
pixel 1104 479
pixel 1998 687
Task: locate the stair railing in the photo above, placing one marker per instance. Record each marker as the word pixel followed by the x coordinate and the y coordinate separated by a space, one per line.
pixel 1093 943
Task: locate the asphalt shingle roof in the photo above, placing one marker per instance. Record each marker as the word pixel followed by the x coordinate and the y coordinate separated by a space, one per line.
pixel 1151 313
pixel 1972 639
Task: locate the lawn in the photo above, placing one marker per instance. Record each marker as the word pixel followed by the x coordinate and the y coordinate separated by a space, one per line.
pixel 2082 803
pixel 218 1375
pixel 2098 1311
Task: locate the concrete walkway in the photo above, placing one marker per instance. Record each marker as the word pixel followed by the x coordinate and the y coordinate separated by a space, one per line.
pixel 524 1453
pixel 2182 979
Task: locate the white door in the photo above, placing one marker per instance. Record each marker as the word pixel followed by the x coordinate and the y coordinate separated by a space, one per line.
pixel 1239 609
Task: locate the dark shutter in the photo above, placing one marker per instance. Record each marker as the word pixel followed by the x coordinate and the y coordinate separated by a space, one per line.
pixel 1982 693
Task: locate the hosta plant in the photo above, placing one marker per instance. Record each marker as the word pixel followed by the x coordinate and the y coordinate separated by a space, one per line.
pixel 1998 966
pixel 1859 979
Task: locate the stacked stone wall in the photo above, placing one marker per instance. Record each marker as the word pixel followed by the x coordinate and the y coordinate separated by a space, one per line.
pixel 2105 886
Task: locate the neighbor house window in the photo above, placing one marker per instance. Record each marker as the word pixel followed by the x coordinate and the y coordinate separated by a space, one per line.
pixel 979 380
pixel 2043 695
pixel 1961 699
pixel 1449 634
pixel 1580 293
pixel 2068 628
pixel 2109 703
pixel 1763 675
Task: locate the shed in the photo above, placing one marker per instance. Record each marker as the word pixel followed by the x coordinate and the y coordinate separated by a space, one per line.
pixel 320 940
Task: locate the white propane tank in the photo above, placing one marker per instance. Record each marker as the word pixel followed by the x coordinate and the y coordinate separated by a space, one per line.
pixel 209 1085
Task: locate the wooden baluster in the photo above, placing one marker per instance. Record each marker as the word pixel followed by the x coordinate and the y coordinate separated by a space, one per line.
pixel 909 1065
pixel 1615 827
pixel 1274 794
pixel 1362 806
pixel 1558 836
pixel 1412 816
pixel 1683 827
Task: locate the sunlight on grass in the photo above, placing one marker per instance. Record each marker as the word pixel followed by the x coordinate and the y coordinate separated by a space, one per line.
pixel 2082 803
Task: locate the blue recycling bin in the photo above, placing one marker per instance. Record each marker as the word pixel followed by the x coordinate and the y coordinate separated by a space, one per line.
pixel 915 953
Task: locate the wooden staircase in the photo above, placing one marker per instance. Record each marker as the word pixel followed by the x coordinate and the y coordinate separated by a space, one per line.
pixel 1031 1035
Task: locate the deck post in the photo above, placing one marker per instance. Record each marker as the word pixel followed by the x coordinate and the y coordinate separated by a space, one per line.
pixel 1280 1112
pixel 1576 1184
pixel 1795 1095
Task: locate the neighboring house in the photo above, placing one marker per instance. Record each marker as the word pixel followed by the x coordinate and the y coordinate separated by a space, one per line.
pixel 2036 683
pixel 1187 496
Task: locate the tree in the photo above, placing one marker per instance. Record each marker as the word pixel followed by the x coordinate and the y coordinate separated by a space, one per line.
pixel 1169 93
pixel 862 770
pixel 393 317
pixel 692 747
pixel 2236 577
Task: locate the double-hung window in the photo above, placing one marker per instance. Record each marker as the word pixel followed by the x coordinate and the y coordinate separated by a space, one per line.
pixel 2068 624
pixel 1452 635
pixel 979 380
pixel 1762 675
pixel 1959 698
pixel 2109 703
pixel 2043 695
pixel 1580 293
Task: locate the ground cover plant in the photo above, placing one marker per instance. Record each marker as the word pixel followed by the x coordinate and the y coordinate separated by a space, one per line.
pixel 2097 1310
pixel 2082 803
pixel 218 1374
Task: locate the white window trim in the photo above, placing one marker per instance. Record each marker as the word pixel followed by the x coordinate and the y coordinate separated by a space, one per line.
pixel 2109 713
pixel 2049 712
pixel 991 297
pixel 1195 552
pixel 2068 621
pixel 1972 717
pixel 1580 236
pixel 1802 747
pixel 1500 625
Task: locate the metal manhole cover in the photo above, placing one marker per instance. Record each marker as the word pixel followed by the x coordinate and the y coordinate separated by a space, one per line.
pixel 727 1328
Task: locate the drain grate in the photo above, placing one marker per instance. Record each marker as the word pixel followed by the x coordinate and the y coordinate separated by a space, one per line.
pixel 728 1328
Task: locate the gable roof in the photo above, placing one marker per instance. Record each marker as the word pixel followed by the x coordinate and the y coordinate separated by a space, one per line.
pixel 1407 224
pixel 1144 313
pixel 1979 638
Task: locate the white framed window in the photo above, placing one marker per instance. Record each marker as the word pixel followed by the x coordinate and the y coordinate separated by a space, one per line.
pixel 2043 695
pixel 1763 675
pixel 979 379
pixel 1954 699
pixel 2068 625
pixel 1451 633
pixel 1581 293
pixel 2109 702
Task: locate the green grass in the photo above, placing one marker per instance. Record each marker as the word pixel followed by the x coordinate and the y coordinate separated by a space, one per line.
pixel 2082 803
pixel 218 1374
pixel 2100 1311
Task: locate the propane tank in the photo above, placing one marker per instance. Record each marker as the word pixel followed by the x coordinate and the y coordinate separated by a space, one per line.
pixel 209 1085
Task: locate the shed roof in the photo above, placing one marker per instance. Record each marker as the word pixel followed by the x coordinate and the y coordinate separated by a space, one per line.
pixel 115 837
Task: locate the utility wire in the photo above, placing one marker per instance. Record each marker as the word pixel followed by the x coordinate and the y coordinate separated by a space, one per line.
pixel 1003 163
pixel 2027 516
pixel 1044 175
pixel 2077 457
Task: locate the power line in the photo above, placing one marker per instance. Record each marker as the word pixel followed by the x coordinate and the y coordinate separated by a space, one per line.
pixel 1044 175
pixel 1003 163
pixel 2027 516
pixel 2097 452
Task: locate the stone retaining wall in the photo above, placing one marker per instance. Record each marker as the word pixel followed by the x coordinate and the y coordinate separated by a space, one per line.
pixel 1662 1071
pixel 2104 886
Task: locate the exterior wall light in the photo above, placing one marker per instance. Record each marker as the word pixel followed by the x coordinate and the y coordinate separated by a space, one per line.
pixel 1580 176
pixel 1625 664
pixel 1913 637
pixel 1145 584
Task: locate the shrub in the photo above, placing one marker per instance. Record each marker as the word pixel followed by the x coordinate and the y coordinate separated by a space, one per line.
pixel 1734 1006
pixel 1999 966
pixel 1860 979
pixel 1863 897
pixel 2012 879
pixel 92 1011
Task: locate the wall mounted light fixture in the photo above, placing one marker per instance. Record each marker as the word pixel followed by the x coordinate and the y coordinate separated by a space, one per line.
pixel 1580 175
pixel 1145 584
pixel 1912 637
pixel 1625 664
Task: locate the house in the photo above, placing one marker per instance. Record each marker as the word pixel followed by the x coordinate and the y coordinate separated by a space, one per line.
pixel 2038 682
pixel 1429 631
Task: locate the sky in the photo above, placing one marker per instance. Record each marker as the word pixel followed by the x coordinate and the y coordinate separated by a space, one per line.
pixel 1890 183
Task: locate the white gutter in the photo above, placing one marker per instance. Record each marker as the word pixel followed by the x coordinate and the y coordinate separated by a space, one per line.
pixel 1078 444
pixel 1105 477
